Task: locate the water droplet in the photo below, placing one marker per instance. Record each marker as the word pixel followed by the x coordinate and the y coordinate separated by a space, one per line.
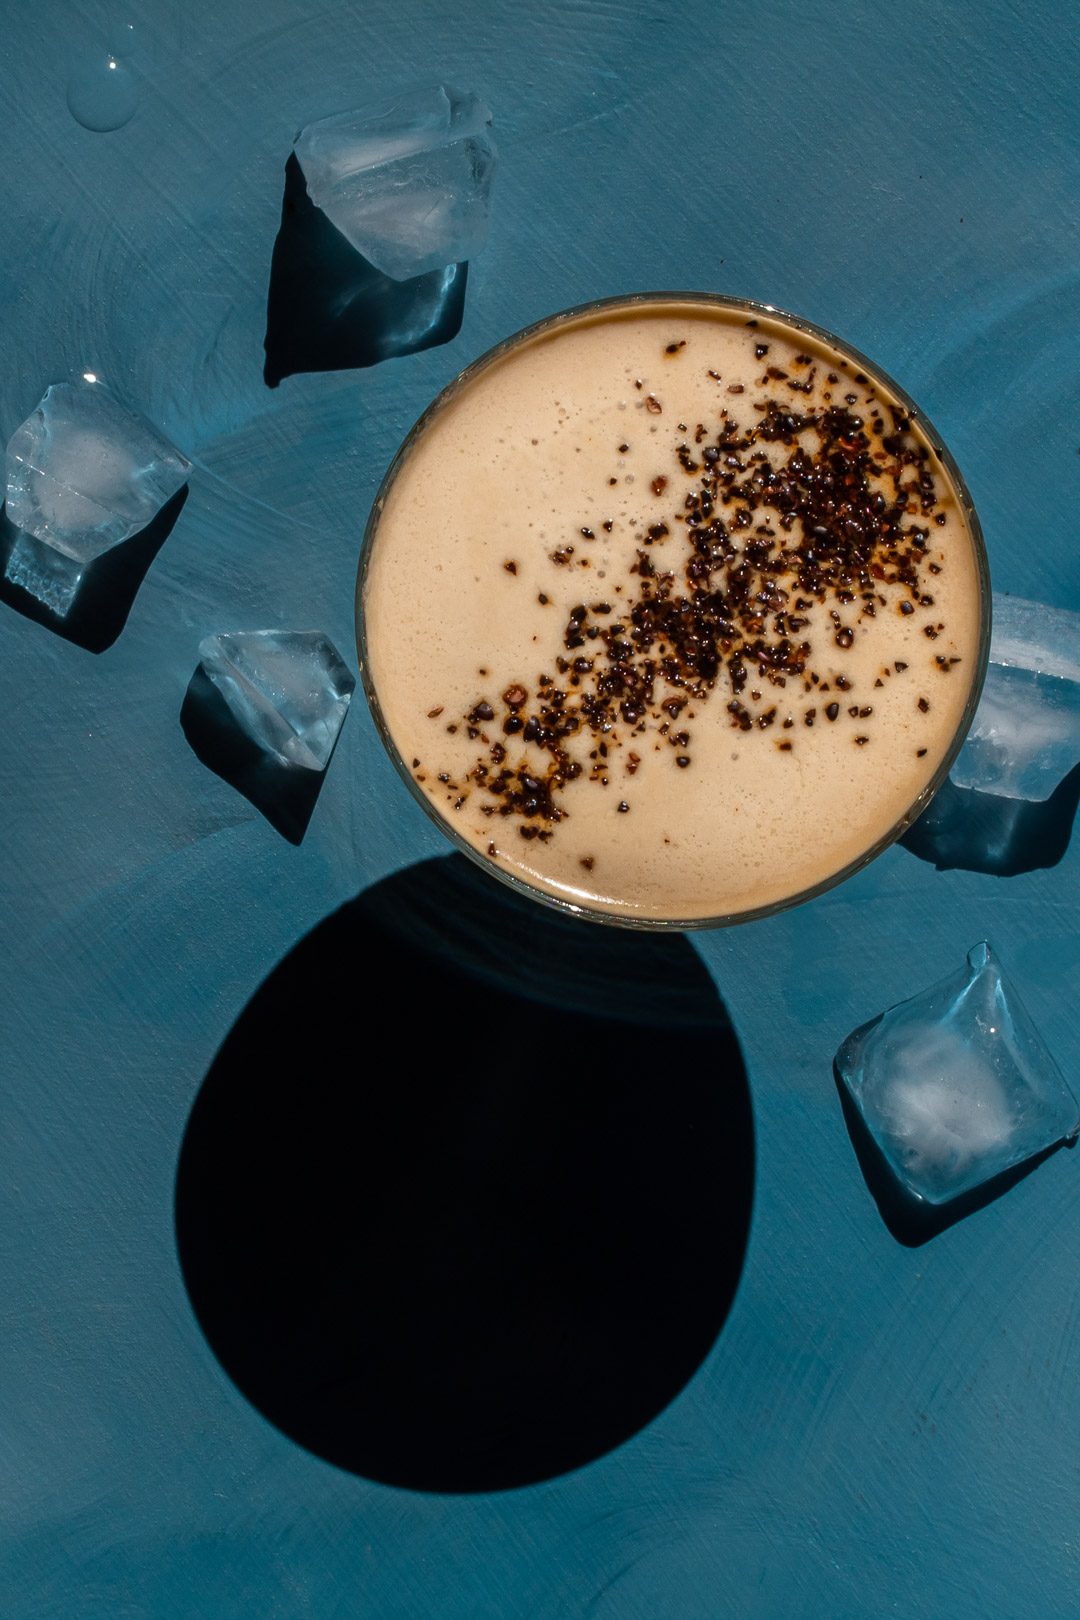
pixel 103 92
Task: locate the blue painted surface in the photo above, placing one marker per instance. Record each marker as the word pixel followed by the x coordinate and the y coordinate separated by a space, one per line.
pixel 877 1430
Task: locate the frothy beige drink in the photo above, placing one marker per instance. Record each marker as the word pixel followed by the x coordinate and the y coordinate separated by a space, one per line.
pixel 672 611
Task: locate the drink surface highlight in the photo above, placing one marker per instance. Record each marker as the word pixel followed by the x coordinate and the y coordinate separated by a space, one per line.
pixel 672 611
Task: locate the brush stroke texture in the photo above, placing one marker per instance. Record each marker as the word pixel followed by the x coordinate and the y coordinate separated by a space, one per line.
pixel 877 1429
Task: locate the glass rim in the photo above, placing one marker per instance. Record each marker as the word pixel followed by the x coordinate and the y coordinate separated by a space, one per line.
pixel 752 308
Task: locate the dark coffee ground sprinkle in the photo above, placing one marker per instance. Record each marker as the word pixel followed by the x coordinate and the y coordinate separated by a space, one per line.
pixel 835 516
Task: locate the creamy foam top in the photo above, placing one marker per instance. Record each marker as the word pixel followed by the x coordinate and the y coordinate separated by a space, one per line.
pixel 671 613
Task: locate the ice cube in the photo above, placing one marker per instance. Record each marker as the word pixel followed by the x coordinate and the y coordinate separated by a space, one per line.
pixel 407 181
pixel 287 689
pixel 84 474
pixel 955 1086
pixel 1025 738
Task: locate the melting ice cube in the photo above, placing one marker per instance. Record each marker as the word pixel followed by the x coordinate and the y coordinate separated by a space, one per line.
pixel 955 1085
pixel 84 474
pixel 1025 737
pixel 408 181
pixel 287 689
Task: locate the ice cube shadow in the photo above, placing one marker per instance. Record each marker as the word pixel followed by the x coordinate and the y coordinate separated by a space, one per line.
pixel 981 832
pixel 911 1221
pixel 285 794
pixel 329 309
pixel 109 584
pixel 464 1199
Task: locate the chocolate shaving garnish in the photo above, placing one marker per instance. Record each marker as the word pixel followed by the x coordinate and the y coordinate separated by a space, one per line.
pixel 796 518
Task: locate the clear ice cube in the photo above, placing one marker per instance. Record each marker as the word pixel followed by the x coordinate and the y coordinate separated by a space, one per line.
pixel 955 1085
pixel 1025 738
pixel 408 182
pixel 83 474
pixel 289 690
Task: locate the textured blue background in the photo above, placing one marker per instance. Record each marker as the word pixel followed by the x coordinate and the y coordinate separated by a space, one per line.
pixel 878 1430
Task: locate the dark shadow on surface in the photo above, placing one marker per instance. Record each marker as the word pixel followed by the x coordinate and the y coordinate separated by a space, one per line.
pixel 980 832
pixel 912 1221
pixel 109 585
pixel 285 794
pixel 329 309
pixel 464 1199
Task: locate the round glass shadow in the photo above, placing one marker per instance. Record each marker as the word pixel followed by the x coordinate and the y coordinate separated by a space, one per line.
pixel 464 1199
